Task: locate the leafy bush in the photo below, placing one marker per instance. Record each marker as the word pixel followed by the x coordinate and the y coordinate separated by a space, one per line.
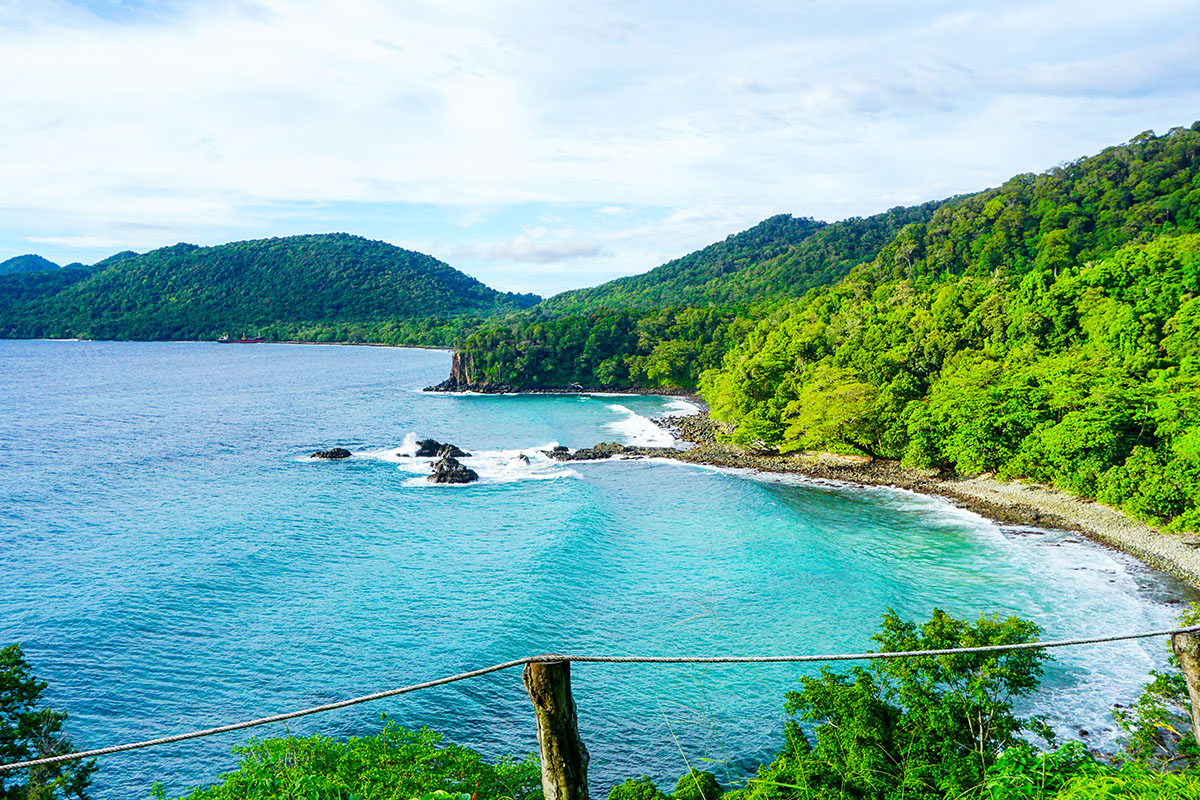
pixel 642 788
pixel 396 763
pixel 1133 783
pixel 1023 773
pixel 697 785
pixel 920 727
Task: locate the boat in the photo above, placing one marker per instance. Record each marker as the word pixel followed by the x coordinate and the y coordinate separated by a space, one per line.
pixel 227 340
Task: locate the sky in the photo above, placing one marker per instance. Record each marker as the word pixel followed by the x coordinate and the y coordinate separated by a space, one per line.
pixel 543 146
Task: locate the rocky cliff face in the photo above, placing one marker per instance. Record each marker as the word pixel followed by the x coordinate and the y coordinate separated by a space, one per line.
pixel 466 377
pixel 463 376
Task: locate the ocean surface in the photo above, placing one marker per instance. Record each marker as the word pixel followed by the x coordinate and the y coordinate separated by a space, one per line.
pixel 170 559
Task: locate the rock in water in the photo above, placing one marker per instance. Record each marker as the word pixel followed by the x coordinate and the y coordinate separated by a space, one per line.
pixel 601 451
pixel 448 470
pixel 335 453
pixel 432 448
pixel 427 448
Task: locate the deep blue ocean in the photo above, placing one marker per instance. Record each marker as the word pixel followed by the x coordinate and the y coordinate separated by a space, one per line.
pixel 170 559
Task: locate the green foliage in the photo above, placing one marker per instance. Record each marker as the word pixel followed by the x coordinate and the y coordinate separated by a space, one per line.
pixel 697 785
pixel 396 763
pixel 440 794
pixel 28 731
pixel 920 727
pixel 1158 727
pixel 1024 773
pixel 649 349
pixel 1008 336
pixel 1133 783
pixel 642 788
pixel 664 328
pixel 323 287
pixel 18 289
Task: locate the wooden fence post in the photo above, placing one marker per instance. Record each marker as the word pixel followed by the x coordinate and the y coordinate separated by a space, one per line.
pixel 1187 650
pixel 564 758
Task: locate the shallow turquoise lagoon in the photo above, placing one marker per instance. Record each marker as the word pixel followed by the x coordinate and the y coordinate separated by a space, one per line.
pixel 170 560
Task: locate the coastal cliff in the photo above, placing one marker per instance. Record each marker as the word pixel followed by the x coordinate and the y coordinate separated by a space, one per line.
pixel 466 376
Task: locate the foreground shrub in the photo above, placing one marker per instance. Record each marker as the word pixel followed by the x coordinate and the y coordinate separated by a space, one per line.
pixel 911 728
pixel 1134 783
pixel 396 764
pixel 642 788
pixel 698 785
pixel 1023 773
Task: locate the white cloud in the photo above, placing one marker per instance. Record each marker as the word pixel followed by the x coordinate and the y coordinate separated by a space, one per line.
pixel 218 117
pixel 526 248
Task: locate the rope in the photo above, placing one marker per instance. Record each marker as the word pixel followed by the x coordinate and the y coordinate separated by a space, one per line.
pixel 554 658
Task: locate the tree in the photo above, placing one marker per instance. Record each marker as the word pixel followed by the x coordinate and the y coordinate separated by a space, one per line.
pixel 28 732
pixel 916 727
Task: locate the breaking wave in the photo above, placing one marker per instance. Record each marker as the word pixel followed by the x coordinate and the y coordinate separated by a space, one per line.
pixel 493 466
pixel 634 429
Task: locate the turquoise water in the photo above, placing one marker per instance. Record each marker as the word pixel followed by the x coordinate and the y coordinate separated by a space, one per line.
pixel 171 560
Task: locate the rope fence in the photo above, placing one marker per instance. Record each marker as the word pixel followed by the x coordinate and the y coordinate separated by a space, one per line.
pixel 584 659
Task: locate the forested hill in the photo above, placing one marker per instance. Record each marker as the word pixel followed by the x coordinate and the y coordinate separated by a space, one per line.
pixel 690 278
pixel 782 256
pixel 332 287
pixel 1046 329
pixel 615 336
pixel 26 263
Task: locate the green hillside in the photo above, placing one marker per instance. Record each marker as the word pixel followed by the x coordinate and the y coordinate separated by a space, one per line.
pixel 782 256
pixel 1045 329
pixel 685 279
pixel 26 263
pixel 666 327
pixel 324 287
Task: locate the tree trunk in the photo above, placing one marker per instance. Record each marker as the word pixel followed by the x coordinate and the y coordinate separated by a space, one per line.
pixel 564 758
pixel 1187 650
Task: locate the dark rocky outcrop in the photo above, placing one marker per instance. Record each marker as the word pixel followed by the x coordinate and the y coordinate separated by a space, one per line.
pixel 608 450
pixel 463 379
pixel 448 470
pixel 432 448
pixel 334 454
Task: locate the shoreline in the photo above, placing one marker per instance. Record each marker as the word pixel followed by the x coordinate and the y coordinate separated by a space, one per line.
pixel 1013 503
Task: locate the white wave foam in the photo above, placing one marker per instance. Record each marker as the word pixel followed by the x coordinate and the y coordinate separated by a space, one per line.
pixel 493 466
pixel 634 429
pixel 409 446
pixel 679 407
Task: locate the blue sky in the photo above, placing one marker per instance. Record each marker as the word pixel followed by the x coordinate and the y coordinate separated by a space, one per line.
pixel 541 146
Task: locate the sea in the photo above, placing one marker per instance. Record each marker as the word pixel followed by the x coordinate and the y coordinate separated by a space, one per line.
pixel 172 559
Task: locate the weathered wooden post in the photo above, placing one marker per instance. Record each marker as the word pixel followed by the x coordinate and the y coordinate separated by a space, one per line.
pixel 1187 650
pixel 564 758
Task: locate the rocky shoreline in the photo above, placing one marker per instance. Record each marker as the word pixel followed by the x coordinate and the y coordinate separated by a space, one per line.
pixel 1011 502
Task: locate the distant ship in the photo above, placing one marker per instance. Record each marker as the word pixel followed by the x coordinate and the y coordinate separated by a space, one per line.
pixel 226 340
